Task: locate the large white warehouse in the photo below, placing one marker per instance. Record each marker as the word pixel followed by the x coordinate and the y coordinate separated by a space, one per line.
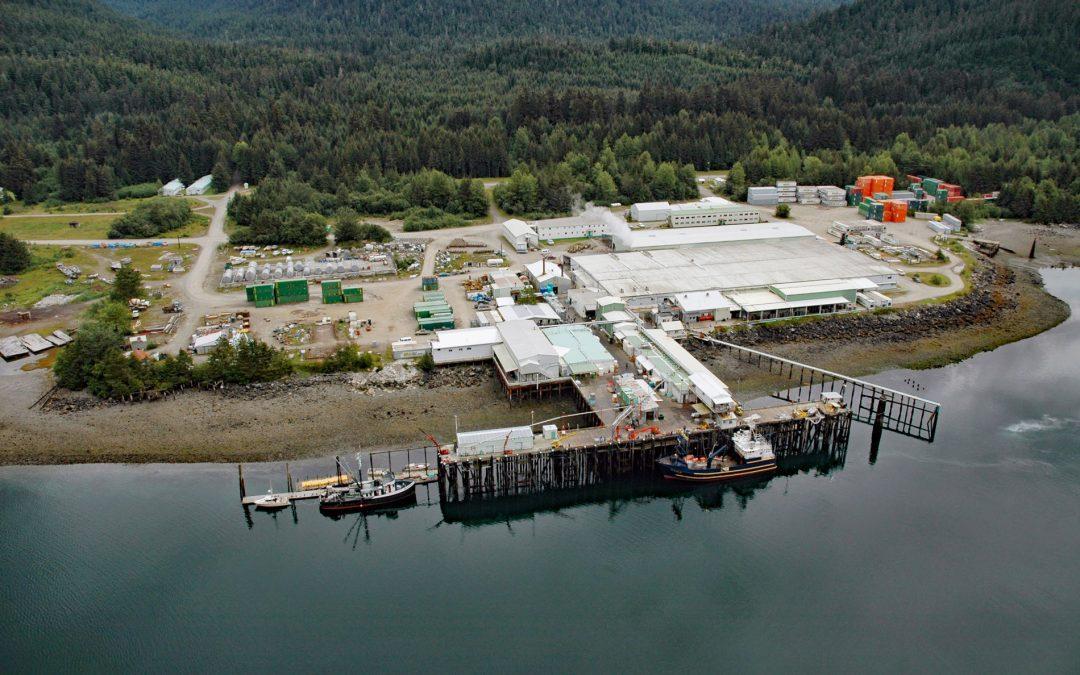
pixel 520 234
pixel 650 212
pixel 793 269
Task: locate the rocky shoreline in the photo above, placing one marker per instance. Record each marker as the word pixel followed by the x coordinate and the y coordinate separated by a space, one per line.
pixel 396 376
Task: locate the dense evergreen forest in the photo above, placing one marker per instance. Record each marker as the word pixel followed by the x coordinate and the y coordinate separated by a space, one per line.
pixel 377 25
pixel 585 99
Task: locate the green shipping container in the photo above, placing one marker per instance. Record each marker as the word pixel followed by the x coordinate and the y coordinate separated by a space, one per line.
pixel 250 293
pixel 291 287
pixel 264 303
pixel 429 283
pixel 436 324
pixel 353 294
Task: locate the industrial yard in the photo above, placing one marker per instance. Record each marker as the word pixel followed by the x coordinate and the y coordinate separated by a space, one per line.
pixel 573 302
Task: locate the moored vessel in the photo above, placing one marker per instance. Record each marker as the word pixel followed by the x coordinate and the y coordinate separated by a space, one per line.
pixel 366 495
pixel 749 455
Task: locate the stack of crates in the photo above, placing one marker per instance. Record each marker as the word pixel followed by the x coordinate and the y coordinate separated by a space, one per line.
pixel 331 292
pixel 895 211
pixel 873 185
pixel 429 283
pixel 940 191
pixel 261 294
pixel 871 209
pixel 291 291
pixel 352 294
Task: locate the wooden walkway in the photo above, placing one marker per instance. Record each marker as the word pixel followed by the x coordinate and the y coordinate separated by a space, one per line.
pixel 896 411
pixel 250 500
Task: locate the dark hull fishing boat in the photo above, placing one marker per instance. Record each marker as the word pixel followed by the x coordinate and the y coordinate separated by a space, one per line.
pixel 751 456
pixel 367 495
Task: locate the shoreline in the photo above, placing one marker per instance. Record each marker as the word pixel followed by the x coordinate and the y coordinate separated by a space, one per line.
pixel 317 417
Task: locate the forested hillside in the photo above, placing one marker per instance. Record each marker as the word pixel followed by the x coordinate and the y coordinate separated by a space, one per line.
pixel 93 100
pixel 366 25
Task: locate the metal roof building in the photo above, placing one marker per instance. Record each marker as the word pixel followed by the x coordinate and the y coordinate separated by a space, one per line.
pixel 580 351
pixel 525 354
pixel 647 278
pixel 200 186
pixel 645 212
pixel 520 234
pixel 542 313
pixel 625 239
pixel 464 344
pixel 172 188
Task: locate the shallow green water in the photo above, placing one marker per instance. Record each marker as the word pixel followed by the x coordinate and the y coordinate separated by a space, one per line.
pixel 956 556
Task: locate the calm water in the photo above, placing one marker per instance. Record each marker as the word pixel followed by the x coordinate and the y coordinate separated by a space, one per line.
pixel 960 555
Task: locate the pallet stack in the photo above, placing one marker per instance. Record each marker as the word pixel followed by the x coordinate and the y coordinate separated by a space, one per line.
pixel 830 195
pixel 761 196
pixel 786 191
pixel 807 194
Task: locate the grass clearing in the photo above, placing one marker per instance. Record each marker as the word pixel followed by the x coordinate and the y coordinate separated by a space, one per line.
pixel 90 227
pixel 44 279
pixel 111 206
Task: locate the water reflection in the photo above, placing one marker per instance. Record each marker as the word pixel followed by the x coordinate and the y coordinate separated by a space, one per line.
pixel 618 495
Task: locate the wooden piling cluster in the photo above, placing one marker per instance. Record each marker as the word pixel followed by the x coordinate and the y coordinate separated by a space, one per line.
pixel 531 472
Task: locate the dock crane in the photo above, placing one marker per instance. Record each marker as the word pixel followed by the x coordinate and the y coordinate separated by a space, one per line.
pixel 438 448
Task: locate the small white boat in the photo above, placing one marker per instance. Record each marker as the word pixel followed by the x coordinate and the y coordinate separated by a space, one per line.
pixel 271 502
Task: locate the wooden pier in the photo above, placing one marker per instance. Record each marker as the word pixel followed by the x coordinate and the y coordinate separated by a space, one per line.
pixel 893 410
pixel 465 478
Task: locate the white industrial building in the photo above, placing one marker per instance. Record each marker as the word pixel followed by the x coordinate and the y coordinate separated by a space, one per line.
pixel 200 186
pixel 504 283
pixel 172 189
pixel 650 212
pixel 763 276
pixel 520 235
pixel 462 345
pixel 548 276
pixel 625 239
pixel 525 355
pixel 574 227
pixel 542 313
pixel 494 441
pixel 712 211
pixel 702 305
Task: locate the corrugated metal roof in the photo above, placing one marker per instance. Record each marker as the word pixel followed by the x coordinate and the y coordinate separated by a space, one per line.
pixel 730 266
pixel 518 228
pixel 466 337
pixel 540 311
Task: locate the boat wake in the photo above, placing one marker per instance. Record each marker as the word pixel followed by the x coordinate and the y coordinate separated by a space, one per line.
pixel 1045 423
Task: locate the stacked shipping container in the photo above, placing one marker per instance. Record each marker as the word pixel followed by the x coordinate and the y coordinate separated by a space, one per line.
pixel 331 292
pixel 291 291
pixel 872 185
